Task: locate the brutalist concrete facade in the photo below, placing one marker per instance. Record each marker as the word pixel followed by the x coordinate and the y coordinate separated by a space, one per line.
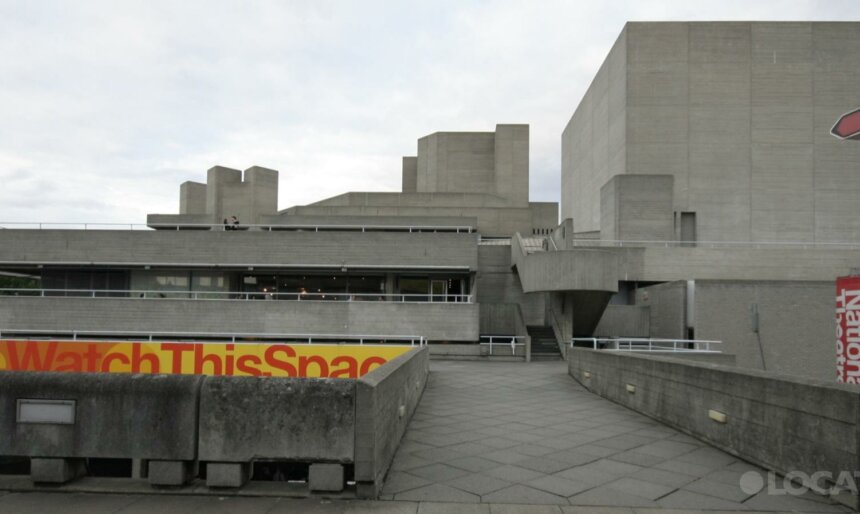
pixel 738 114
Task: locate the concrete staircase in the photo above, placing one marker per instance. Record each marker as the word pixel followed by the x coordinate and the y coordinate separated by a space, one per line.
pixel 544 344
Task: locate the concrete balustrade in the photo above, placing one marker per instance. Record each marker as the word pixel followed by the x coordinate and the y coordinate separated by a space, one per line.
pixel 176 422
pixel 781 423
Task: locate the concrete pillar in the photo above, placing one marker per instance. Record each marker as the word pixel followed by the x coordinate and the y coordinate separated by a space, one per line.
pixel 326 477
pixel 171 472
pixel 227 474
pixel 139 468
pixel 56 471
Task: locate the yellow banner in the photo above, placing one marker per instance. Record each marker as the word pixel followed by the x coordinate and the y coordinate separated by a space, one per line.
pixel 191 358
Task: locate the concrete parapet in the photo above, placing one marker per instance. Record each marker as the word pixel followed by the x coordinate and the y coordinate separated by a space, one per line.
pixel 781 423
pixel 297 419
pixel 115 416
pixel 385 400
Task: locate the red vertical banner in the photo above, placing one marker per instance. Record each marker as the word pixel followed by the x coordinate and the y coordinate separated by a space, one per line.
pixel 848 330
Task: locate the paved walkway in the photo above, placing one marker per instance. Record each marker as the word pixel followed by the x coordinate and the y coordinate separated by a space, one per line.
pixel 529 434
pixel 494 438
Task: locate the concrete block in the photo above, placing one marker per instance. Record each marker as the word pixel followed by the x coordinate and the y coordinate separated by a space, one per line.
pixel 171 472
pixel 326 477
pixel 118 415
pixel 227 474
pixel 56 471
pixel 247 418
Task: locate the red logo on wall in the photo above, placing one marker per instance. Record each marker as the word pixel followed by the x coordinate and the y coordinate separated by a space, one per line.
pixel 848 126
pixel 848 330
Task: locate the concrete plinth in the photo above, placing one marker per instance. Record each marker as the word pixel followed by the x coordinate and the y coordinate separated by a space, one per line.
pixel 56 471
pixel 325 477
pixel 171 472
pixel 227 474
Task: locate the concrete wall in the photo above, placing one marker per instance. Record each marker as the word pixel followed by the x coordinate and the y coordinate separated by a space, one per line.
pixel 410 175
pixel 666 309
pixel 511 174
pixel 192 198
pixel 594 142
pixel 117 416
pixel 781 423
pixel 624 321
pixel 796 324
pixel 497 283
pixel 298 419
pixel 435 321
pixel 456 162
pixel 493 218
pixel 226 194
pixel 242 248
pixel 739 113
pixel 385 400
pixel 637 208
pixel 579 269
pixel 228 422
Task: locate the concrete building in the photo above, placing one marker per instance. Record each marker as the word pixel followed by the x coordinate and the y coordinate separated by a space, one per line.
pixel 703 149
pixel 702 197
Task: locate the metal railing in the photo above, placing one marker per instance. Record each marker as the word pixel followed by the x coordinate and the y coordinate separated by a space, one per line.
pixel 210 337
pixel 839 245
pixel 641 344
pixel 320 227
pixel 238 295
pixel 508 341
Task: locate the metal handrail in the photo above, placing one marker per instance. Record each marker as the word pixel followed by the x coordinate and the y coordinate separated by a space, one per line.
pixel 229 228
pixel 643 344
pixel 238 295
pixel 75 335
pixel 506 341
pixel 852 245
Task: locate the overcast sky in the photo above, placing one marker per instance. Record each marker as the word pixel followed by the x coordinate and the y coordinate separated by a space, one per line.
pixel 106 107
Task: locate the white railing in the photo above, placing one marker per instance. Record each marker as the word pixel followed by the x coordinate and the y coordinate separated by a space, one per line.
pixel 803 245
pixel 237 337
pixel 509 341
pixel 641 344
pixel 321 227
pixel 239 295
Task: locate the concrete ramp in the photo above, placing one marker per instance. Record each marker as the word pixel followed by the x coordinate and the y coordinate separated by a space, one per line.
pixel 529 434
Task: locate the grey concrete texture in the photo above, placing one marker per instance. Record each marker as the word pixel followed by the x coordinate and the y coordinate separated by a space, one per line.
pixel 580 269
pixel 476 162
pixel 56 471
pixel 292 220
pixel 497 283
pixel 528 434
pixel 493 214
pixel 76 503
pixel 116 415
pixel 326 477
pixel 298 419
pixel 385 400
pixel 739 113
pixel 170 472
pixel 240 248
pixel 440 321
pixel 227 474
pixel 624 321
pixel 410 175
pixel 227 194
pixel 637 208
pixel 785 424
pixel 796 322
